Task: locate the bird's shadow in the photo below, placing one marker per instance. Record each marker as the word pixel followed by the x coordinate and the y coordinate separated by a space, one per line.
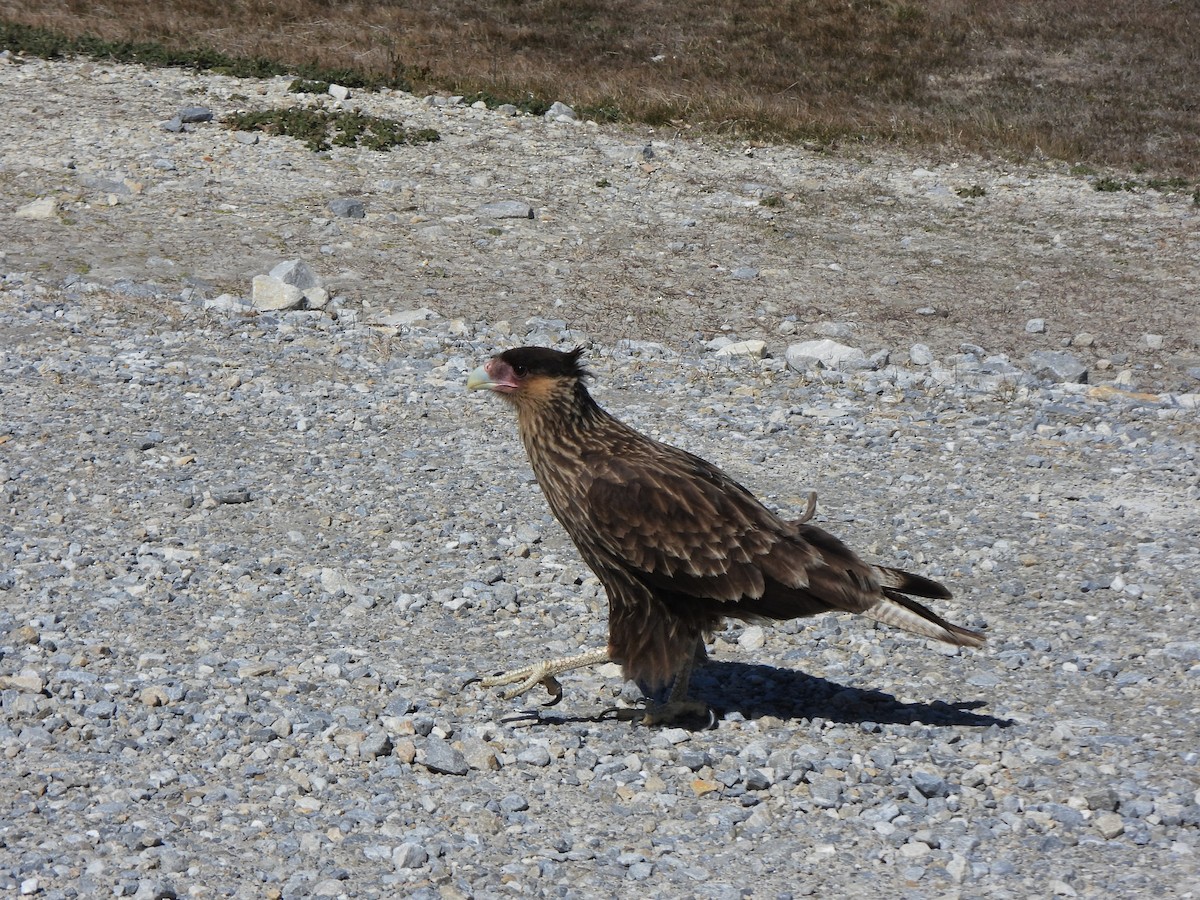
pixel 756 691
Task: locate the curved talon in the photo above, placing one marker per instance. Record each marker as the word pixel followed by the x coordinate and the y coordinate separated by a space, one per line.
pixel 474 679
pixel 556 692
pixel 620 713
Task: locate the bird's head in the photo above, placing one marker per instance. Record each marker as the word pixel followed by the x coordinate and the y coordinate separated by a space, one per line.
pixel 530 375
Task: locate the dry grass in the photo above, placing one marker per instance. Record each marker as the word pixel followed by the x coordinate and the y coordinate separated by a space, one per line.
pixel 1111 85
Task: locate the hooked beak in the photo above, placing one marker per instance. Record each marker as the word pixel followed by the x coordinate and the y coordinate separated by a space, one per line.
pixel 479 378
pixel 495 375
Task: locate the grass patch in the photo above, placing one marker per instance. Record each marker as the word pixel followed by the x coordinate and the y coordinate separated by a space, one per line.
pixel 320 129
pixel 50 44
pixel 1175 185
pixel 1105 86
pixel 307 86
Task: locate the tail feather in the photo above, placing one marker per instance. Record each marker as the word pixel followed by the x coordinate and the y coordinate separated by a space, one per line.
pixel 906 613
pixel 908 583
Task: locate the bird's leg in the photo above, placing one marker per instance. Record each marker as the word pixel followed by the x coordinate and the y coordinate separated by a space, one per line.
pixel 543 673
pixel 677 709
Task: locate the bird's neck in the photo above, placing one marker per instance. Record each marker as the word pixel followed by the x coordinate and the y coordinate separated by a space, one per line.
pixel 563 410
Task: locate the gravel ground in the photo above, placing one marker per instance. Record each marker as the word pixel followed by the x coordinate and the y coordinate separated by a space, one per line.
pixel 248 560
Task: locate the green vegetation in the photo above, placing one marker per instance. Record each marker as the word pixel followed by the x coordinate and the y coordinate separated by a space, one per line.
pixel 971 192
pixel 305 86
pixel 1163 185
pixel 321 129
pixel 50 44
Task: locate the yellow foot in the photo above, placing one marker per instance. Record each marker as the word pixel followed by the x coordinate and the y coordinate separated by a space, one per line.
pixel 542 673
pixel 529 677
pixel 673 712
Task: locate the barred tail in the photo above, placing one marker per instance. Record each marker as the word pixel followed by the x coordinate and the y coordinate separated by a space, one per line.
pixel 906 613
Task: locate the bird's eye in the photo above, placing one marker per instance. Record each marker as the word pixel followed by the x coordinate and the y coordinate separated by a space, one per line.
pixel 520 371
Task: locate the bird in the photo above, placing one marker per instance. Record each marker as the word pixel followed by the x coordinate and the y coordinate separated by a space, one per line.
pixel 678 545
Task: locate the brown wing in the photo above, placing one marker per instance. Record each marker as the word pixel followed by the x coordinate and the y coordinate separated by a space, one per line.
pixel 702 542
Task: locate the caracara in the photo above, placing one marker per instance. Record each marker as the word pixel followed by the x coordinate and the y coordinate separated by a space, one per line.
pixel 678 544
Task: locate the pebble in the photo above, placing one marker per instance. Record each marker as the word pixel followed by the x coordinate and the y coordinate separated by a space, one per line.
pixel 438 756
pixel 1058 366
pixel 506 209
pixel 348 208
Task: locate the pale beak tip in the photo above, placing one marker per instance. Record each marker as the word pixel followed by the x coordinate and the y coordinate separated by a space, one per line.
pixel 478 378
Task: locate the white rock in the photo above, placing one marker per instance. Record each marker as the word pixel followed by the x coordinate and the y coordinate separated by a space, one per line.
pixel 1035 326
pixel 828 353
pixel 316 297
pixel 920 355
pixel 339 92
pixel 228 303
pixel 1152 341
pixel 407 317
pixel 752 638
pixel 41 208
pixel 269 293
pixel 752 349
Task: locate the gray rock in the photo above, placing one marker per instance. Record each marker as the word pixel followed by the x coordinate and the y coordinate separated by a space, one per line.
pixel 537 755
pixel 1035 326
pixel 511 803
pixel 840 331
pixel 506 209
pixel 1058 366
pixel 930 784
pixel 348 208
pixel 438 756
pixel 376 743
pixel 409 855
pixel 192 114
pixel 296 272
pixel 558 111
pixel 826 792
